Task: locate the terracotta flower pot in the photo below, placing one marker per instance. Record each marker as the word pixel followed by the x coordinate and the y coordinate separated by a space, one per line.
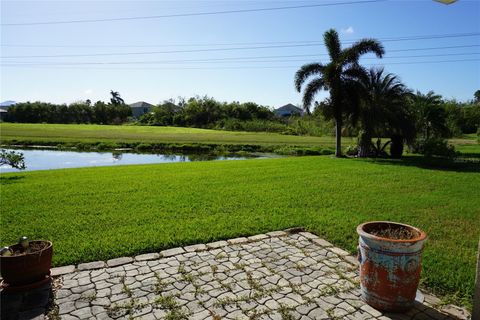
pixel 28 268
pixel 389 268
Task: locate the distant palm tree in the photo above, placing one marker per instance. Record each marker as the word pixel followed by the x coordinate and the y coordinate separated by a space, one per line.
pixel 338 77
pixel 382 109
pixel 431 115
pixel 116 99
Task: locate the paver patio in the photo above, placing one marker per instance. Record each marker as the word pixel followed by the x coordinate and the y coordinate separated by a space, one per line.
pixel 279 275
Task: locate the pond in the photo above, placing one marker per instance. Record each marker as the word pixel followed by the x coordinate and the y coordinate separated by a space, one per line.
pixel 55 159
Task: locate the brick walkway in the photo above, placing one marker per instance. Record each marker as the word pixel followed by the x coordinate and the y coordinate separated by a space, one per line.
pixel 280 275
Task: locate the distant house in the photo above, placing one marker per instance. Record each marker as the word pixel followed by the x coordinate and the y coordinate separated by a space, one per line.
pixel 140 108
pixel 3 114
pixel 288 110
pixel 7 104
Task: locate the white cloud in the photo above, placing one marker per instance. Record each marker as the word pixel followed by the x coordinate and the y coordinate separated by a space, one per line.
pixel 348 30
pixel 88 92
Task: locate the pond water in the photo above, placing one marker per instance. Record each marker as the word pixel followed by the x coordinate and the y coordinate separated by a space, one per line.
pixel 55 159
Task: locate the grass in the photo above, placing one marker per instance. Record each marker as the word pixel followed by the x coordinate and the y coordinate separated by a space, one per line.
pixel 179 138
pixel 147 208
pixel 61 133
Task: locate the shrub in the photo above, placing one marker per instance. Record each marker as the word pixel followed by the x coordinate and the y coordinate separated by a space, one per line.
pixel 144 146
pixel 434 147
pixel 326 152
pixel 351 151
pixel 252 125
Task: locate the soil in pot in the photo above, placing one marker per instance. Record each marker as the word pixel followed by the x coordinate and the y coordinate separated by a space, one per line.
pixel 392 231
pixel 33 247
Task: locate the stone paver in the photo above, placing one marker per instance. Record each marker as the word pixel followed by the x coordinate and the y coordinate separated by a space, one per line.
pixel 279 275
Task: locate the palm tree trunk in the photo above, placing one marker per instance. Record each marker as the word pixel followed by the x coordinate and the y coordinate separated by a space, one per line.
pixel 364 144
pixel 338 136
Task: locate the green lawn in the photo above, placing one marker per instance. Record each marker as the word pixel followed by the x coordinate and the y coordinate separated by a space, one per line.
pixel 147 134
pixel 106 212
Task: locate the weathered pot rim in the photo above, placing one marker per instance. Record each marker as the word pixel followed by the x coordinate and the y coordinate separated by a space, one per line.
pixel 31 253
pixel 360 230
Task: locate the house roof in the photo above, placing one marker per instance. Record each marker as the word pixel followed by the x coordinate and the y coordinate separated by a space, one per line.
pixel 3 111
pixel 288 109
pixel 141 104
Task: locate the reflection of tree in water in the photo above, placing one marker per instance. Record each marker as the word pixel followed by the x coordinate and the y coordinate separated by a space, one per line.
pixel 189 157
pixel 201 157
pixel 117 156
pixel 170 157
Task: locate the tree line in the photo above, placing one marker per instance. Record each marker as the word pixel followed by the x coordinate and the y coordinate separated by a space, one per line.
pixel 114 112
pixel 204 112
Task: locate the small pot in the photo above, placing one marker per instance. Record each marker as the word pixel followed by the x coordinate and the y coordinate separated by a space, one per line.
pixel 28 268
pixel 389 268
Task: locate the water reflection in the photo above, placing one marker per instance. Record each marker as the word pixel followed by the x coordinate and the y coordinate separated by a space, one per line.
pixel 54 159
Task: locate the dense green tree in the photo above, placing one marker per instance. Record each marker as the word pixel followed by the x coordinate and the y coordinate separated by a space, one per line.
pixel 338 77
pixel 161 115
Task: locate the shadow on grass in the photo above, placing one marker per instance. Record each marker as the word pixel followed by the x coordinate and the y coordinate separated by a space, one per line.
pixel 461 164
pixel 10 179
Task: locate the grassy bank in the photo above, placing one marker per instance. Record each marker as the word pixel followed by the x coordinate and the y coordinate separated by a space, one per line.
pixel 59 133
pixel 178 139
pixel 145 208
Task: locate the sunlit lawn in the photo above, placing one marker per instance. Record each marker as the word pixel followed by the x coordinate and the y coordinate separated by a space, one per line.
pixel 100 213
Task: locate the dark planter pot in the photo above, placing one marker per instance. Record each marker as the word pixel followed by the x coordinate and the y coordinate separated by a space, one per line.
pixel 27 269
pixel 389 269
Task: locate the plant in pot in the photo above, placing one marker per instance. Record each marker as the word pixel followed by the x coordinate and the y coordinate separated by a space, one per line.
pixel 26 264
pixel 390 264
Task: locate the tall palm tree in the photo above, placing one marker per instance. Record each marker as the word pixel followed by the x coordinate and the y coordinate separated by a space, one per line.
pixel 338 77
pixel 383 101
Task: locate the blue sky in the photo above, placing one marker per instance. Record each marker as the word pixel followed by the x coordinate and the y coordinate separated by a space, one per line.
pixel 263 75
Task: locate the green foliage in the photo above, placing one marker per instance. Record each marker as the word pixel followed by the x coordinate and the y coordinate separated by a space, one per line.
pixel 430 115
pixel 383 111
pixel 434 147
pixel 351 150
pixel 206 112
pixel 253 126
pixel 462 118
pixel 303 151
pixel 106 212
pixel 78 112
pixel 12 158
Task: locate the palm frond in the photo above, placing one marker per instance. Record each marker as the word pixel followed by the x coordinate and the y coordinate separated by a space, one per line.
pixel 307 71
pixel 332 42
pixel 310 91
pixel 359 48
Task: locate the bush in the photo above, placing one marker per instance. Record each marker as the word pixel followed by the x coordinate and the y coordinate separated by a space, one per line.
pixel 434 147
pixel 252 125
pixel 144 146
pixel 351 151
